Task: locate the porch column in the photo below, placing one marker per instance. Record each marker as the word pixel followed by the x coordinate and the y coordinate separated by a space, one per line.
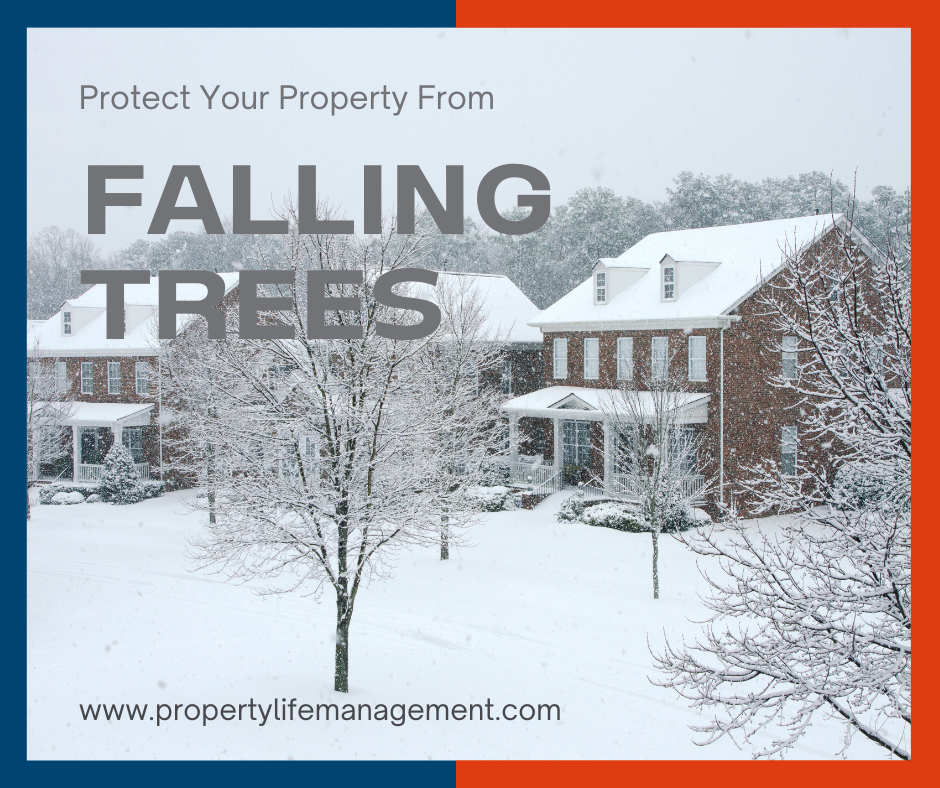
pixel 608 453
pixel 513 440
pixel 559 466
pixel 76 452
pixel 118 431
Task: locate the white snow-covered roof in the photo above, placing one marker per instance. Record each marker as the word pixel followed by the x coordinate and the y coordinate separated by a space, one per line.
pixel 723 265
pixel 90 338
pixel 508 309
pixel 125 414
pixel 578 402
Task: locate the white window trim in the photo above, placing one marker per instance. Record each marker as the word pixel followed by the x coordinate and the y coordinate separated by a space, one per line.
pixel 594 343
pixel 600 287
pixel 90 377
pixel 560 360
pixel 662 291
pixel 505 376
pixel 789 347
pixel 67 323
pixel 61 376
pixel 111 365
pixel 142 365
pixel 623 342
pixel 703 357
pixel 653 357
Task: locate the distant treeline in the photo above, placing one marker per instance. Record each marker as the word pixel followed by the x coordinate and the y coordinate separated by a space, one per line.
pixel 545 264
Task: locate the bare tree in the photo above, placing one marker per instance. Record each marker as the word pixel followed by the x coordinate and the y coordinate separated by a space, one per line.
pixel 49 404
pixel 817 614
pixel 655 453
pixel 330 452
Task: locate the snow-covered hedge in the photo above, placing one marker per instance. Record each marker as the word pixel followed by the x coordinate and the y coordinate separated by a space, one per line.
pixel 855 489
pixel 489 499
pixel 496 472
pixel 66 498
pixel 622 516
pixel 49 491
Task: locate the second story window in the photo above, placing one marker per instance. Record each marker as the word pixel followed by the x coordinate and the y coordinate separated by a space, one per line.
pixel 600 289
pixel 660 357
pixel 560 359
pixel 142 376
pixel 505 376
pixel 789 357
pixel 114 377
pixel 696 358
pixel 61 376
pixel 88 378
pixel 625 358
pixel 669 283
pixel 66 322
pixel 591 359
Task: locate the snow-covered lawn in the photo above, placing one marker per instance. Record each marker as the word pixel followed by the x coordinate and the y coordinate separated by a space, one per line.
pixel 535 611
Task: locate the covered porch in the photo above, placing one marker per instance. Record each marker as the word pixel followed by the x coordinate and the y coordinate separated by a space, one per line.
pixel 95 427
pixel 573 442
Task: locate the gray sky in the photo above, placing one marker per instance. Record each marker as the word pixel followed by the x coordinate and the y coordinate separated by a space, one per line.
pixel 625 109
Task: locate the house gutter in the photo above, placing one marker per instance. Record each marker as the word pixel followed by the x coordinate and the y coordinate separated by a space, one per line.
pixel 721 417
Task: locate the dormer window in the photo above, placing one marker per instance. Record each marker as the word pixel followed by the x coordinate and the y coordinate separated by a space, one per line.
pixel 600 288
pixel 669 283
pixel 66 322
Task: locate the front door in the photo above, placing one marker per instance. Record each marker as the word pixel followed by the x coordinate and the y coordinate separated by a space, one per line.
pixel 576 450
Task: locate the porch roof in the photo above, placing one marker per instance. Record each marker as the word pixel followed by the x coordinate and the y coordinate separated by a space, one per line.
pixel 576 402
pixel 109 414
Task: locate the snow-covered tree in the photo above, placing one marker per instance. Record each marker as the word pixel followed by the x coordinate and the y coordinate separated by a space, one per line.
pixel 120 482
pixel 334 450
pixel 655 454
pixel 55 259
pixel 49 403
pixel 815 614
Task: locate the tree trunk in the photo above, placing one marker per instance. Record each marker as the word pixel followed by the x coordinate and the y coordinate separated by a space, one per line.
pixel 341 673
pixel 655 562
pixel 445 539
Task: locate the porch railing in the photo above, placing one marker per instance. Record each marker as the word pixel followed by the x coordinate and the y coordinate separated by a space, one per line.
pixel 92 473
pixel 625 484
pixel 528 473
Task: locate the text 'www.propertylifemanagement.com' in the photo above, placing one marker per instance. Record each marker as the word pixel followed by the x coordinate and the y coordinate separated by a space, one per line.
pixel 282 710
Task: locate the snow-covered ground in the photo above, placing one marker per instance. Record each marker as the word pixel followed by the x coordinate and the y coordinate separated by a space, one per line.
pixel 535 611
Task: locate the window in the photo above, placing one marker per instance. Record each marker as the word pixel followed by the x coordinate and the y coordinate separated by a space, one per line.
pixel 660 357
pixel 505 376
pixel 600 291
pixel 309 445
pixel 789 357
pixel 142 375
pixel 66 322
pixel 591 360
pixel 696 358
pixel 560 359
pixel 576 443
pixel 684 447
pixel 61 376
pixel 114 377
pixel 788 451
pixel 625 358
pixel 88 378
pixel 669 283
pixel 133 440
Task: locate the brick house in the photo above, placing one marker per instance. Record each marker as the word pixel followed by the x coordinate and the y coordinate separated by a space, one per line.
pixel 116 388
pixel 114 382
pixel 688 302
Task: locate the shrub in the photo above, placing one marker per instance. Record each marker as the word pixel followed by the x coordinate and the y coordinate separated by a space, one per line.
pixel 152 489
pixel 489 499
pixel 67 498
pixel 49 491
pixel 119 480
pixel 93 498
pixel 571 510
pixel 619 516
pixel 495 472
pixel 855 489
